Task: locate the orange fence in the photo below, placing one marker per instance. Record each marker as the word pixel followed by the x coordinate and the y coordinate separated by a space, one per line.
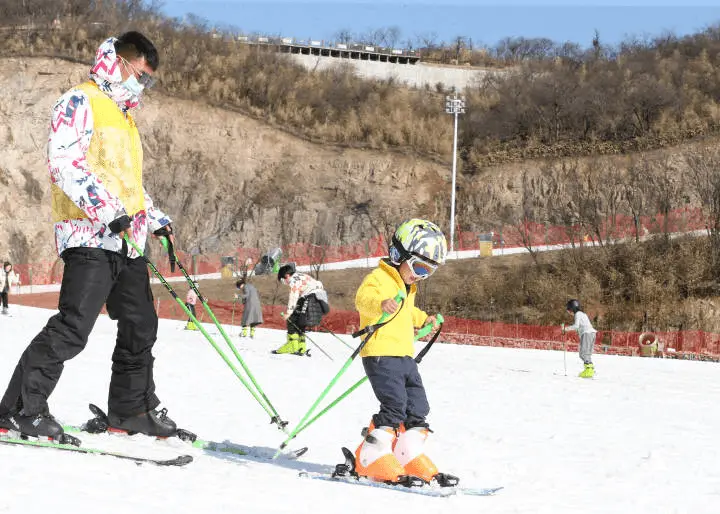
pixel 536 234
pixel 694 344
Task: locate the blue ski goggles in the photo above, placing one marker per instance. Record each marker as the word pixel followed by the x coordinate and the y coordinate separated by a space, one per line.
pixel 420 267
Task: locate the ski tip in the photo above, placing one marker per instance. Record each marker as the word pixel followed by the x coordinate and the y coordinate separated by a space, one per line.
pixel 182 460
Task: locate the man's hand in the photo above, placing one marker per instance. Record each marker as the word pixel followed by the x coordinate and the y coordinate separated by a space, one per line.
pixel 389 306
pixel 166 231
pixel 122 226
pixel 432 319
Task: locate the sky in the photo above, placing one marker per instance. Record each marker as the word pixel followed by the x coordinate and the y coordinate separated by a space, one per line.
pixel 483 21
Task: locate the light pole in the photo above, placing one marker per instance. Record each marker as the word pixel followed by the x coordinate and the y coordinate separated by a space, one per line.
pixel 454 105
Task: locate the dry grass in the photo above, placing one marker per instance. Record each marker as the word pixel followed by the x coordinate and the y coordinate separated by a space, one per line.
pixel 659 285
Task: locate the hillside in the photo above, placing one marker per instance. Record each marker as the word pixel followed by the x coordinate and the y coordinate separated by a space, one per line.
pixel 226 179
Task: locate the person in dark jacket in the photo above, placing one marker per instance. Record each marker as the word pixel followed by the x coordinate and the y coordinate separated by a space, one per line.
pixel 252 313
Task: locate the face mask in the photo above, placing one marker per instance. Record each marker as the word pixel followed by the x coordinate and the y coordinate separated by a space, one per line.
pixel 133 86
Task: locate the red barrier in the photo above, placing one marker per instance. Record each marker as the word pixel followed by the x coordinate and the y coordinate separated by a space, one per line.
pixel 692 344
pixel 621 226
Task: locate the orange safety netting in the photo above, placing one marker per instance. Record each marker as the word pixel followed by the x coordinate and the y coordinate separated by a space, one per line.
pixel 523 234
pixel 692 344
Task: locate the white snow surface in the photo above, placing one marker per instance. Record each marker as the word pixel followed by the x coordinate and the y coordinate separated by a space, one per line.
pixel 639 438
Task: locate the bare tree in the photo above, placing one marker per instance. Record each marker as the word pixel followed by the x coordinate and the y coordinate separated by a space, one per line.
pixel 668 185
pixel 636 191
pixel 343 36
pixel 703 166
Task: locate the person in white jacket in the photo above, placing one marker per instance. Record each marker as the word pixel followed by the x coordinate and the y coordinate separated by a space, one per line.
pixel 8 278
pixel 307 304
pixel 586 333
pixel 95 162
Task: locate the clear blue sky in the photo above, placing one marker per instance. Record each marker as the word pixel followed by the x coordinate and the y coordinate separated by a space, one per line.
pixel 485 22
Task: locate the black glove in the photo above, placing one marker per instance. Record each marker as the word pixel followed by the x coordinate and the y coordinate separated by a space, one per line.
pixel 120 224
pixel 165 232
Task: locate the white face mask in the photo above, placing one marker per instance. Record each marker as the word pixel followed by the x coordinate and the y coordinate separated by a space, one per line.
pixel 133 86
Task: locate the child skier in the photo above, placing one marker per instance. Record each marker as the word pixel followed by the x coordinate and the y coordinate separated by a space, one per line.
pixel 307 304
pixel 393 443
pixel 190 301
pixel 252 313
pixel 8 278
pixel 586 333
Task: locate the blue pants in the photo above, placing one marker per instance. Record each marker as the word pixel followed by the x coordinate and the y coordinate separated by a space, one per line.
pixel 398 387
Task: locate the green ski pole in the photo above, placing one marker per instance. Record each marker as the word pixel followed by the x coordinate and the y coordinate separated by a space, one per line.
pixel 199 325
pixel 421 333
pixel 400 297
pixel 275 417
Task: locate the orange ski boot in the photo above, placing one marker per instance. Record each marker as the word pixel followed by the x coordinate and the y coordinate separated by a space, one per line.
pixel 374 457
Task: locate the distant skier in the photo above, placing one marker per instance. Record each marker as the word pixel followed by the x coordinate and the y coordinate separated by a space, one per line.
pixel 8 278
pixel 393 444
pixel 586 333
pixel 252 313
pixel 190 301
pixel 307 304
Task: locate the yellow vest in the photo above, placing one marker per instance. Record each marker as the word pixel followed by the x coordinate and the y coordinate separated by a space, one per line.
pixel 396 338
pixel 114 156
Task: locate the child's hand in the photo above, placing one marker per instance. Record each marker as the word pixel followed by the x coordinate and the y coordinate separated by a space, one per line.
pixel 389 306
pixel 431 319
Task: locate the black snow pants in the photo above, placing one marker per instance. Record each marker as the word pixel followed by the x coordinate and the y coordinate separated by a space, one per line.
pixel 92 278
pixel 398 387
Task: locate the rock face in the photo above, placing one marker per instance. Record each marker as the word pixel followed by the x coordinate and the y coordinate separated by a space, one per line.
pixel 227 180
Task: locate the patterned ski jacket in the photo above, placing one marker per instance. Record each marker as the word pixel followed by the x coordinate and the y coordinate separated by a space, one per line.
pixel 395 339
pixel 90 189
pixel 301 285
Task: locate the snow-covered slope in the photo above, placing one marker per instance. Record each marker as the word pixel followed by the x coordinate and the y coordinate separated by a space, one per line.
pixel 640 438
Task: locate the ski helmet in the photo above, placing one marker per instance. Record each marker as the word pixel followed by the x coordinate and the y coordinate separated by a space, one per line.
pixel 286 269
pixel 573 305
pixel 418 237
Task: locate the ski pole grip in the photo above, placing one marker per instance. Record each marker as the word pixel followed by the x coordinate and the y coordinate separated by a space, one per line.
pixel 429 327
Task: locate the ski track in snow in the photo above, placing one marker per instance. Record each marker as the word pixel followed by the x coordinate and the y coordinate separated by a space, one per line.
pixel 640 438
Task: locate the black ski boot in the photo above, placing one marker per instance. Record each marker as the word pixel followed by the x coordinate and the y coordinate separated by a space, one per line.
pixel 36 425
pixel 153 423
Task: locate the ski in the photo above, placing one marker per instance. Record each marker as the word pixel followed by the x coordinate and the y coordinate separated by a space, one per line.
pixel 443 484
pixel 99 425
pixel 7 439
pixel 427 490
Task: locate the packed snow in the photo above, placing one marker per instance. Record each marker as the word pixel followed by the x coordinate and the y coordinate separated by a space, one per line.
pixel 639 438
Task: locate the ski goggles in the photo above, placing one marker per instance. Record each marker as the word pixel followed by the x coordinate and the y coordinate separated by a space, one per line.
pixel 421 268
pixel 144 78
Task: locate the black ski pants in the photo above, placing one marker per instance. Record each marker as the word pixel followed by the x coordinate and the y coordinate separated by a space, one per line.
pixel 4 298
pixel 92 278
pixel 398 387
